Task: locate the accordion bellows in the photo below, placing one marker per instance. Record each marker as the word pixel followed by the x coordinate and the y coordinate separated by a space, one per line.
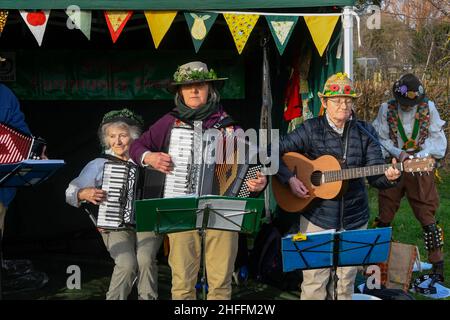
pixel 16 146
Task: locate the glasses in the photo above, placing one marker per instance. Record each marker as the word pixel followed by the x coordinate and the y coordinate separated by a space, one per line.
pixel 339 102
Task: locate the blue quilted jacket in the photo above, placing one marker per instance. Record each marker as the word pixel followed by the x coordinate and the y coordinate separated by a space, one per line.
pixel 315 138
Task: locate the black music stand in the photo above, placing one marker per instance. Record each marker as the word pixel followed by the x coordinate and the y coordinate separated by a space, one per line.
pixel 199 213
pixel 331 249
pixel 25 174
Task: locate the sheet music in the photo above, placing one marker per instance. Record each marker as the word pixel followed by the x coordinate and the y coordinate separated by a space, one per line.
pixel 231 209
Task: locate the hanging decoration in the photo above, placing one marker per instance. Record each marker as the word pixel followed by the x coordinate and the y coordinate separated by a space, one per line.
pixel 36 22
pixel 199 25
pixel 116 21
pixel 81 20
pixel 281 28
pixel 321 29
pixel 3 18
pixel 241 26
pixel 159 23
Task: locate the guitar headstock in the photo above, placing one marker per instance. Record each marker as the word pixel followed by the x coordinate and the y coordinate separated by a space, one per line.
pixel 419 165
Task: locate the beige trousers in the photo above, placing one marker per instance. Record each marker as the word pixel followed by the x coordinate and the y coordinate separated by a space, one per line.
pixel 185 257
pixel 318 283
pixel 134 255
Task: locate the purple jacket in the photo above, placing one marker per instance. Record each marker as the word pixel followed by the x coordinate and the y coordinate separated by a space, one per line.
pixel 156 138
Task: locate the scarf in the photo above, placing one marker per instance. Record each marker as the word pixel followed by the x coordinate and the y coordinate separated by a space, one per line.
pixel 186 113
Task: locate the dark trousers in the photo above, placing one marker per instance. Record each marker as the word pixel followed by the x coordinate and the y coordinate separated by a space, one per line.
pixel 423 198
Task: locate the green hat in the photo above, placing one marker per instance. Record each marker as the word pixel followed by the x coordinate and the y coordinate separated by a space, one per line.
pixel 125 115
pixel 194 72
pixel 339 85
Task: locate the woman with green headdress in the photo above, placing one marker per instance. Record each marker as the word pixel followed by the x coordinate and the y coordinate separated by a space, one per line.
pixel 134 253
pixel 196 99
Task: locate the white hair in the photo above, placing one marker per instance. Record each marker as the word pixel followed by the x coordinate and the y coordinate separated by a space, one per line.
pixel 135 131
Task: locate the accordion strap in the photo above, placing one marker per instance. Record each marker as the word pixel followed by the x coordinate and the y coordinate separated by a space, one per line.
pixel 225 122
pixel 112 158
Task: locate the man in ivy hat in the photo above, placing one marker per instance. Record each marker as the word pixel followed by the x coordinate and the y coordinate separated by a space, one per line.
pixel 410 125
pixel 196 99
pixel 340 134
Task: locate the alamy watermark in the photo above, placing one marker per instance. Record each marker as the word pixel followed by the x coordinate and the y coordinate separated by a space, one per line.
pixel 238 147
pixel 74 280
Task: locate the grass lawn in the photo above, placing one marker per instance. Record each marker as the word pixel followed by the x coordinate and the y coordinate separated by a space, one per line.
pixel 407 229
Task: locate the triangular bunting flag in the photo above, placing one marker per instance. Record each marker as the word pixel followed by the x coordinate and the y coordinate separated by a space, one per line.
pixel 116 21
pixel 241 26
pixel 81 20
pixel 3 18
pixel 281 28
pixel 321 29
pixel 37 22
pixel 199 25
pixel 159 23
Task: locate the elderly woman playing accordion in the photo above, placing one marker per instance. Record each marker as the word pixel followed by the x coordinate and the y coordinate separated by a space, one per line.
pixel 134 253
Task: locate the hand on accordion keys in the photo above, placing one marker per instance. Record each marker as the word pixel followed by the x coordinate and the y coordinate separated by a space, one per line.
pixel 92 195
pixel 258 184
pixel 160 161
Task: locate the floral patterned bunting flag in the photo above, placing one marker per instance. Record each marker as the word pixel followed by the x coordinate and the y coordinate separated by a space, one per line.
pixel 3 18
pixel 36 22
pixel 321 29
pixel 281 28
pixel 241 26
pixel 116 21
pixel 159 23
pixel 199 24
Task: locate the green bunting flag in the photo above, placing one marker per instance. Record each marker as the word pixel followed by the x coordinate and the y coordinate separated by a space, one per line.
pixel 199 25
pixel 281 28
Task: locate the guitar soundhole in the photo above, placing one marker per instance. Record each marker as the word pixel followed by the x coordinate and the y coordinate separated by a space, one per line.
pixel 316 178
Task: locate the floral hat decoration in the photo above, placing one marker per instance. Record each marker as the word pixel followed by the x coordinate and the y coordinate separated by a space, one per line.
pixel 124 115
pixel 408 90
pixel 194 72
pixel 339 85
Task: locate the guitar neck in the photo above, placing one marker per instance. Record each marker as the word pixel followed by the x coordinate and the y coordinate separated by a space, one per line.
pixel 354 173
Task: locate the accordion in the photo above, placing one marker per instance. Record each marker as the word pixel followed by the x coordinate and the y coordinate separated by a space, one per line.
pixel 197 171
pixel 16 146
pixel 121 181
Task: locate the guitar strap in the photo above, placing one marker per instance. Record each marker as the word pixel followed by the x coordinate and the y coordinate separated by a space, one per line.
pixel 371 136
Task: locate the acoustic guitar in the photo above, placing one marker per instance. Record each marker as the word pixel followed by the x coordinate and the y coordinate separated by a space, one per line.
pixel 325 178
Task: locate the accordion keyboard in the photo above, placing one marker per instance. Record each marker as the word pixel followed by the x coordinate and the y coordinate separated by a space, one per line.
pixel 117 209
pixel 182 180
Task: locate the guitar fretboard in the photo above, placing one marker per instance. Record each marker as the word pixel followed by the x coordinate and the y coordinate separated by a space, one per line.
pixel 353 173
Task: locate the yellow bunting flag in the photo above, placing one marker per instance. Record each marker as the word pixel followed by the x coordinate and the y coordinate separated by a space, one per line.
pixel 159 23
pixel 241 26
pixel 321 29
pixel 3 18
pixel 116 21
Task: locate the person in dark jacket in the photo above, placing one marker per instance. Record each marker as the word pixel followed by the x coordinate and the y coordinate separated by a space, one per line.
pixel 337 133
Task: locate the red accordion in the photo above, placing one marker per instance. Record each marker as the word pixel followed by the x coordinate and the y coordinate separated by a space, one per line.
pixel 16 146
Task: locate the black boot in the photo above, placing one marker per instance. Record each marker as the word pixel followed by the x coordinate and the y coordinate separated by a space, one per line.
pixel 377 223
pixel 438 270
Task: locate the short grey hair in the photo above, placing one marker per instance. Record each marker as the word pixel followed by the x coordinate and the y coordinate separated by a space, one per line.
pixel 135 131
pixel 213 95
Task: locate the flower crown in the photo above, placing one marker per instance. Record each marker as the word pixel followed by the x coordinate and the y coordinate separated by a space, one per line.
pixel 125 115
pixel 188 74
